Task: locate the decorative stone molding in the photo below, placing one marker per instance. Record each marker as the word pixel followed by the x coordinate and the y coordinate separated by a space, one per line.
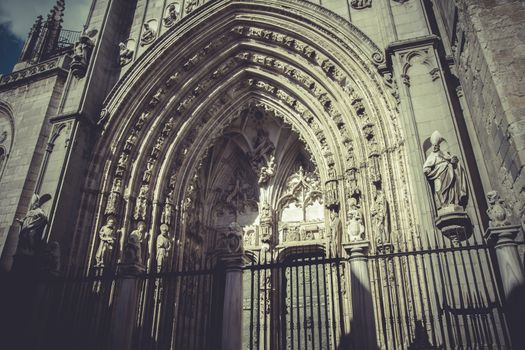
pixel 58 65
pixel 361 4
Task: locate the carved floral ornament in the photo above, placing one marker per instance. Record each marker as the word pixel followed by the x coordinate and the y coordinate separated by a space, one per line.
pixel 192 95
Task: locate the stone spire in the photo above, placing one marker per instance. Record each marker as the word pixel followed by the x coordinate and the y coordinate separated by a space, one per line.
pixel 32 38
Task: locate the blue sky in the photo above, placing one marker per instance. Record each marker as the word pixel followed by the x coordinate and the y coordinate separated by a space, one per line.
pixel 17 17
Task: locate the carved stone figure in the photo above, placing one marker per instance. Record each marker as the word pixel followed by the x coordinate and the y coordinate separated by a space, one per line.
pixel 112 206
pixel 81 56
pixel 380 217
pixel 32 226
pixel 351 185
pixel 331 197
pixel 130 141
pixel 171 15
pixel 263 159
pixel 148 34
pixel 146 177
pixel 125 54
pixel 121 164
pixel 163 248
pixel 233 238
pixel 445 175
pixel 498 211
pixel 191 5
pixel 265 222
pixel 167 211
pixel 107 239
pixel 356 229
pixel 267 171
pixel 361 4
pixel 133 249
pixel 141 204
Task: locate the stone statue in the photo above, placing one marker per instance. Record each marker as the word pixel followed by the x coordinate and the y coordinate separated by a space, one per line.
pixel 125 54
pixel 163 248
pixel 265 222
pixel 148 34
pixel 111 207
pixel 380 217
pixel 167 211
pixel 356 229
pixel 107 239
pixel 81 55
pixel 445 175
pixel 499 213
pixel 171 15
pixel 233 238
pixel 331 194
pixel 267 171
pixel 141 205
pixel 336 232
pixel 130 141
pixel 32 226
pixel 361 4
pixel 191 5
pixel 146 177
pixel 133 251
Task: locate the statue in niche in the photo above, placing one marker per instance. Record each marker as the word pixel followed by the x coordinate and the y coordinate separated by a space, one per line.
pixel 141 206
pixel 352 189
pixel 446 176
pixel 148 34
pixel 171 15
pixel 130 141
pixel 374 167
pixel 146 177
pixel 380 217
pixel 498 211
pixel 356 229
pixel 167 211
pixel 121 164
pixel 32 227
pixel 163 248
pixel 336 231
pixel 331 194
pixel 134 251
pixel 265 222
pixel 192 5
pixel 233 238
pixel 267 171
pixel 111 207
pixel 81 55
pixel 125 54
pixel 361 4
pixel 107 239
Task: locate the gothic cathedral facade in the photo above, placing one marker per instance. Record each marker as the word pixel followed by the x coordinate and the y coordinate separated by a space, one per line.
pixel 353 167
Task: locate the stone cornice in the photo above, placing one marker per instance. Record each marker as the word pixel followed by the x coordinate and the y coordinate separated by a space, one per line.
pixel 55 66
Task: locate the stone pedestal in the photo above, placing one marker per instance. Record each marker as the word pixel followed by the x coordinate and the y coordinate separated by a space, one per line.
pixel 362 324
pixel 454 223
pixel 232 309
pixel 511 269
pixel 124 313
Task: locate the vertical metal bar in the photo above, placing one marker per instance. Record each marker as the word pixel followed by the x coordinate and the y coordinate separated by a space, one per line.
pixel 305 307
pixel 252 299
pixel 289 285
pixel 298 303
pixel 326 305
pixel 312 319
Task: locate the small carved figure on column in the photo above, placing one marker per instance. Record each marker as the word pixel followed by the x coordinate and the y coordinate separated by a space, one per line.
pixel 167 211
pixel 33 224
pixel 163 248
pixel 380 217
pixel 265 222
pixel 356 229
pixel 133 249
pixel 445 175
pixel 499 213
pixel 111 207
pixel 130 141
pixel 141 206
pixel 331 194
pixel 106 242
pixel 336 232
pixel 192 4
pixel 125 54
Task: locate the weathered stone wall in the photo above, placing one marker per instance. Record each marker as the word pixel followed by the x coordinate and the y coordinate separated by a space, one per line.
pixel 32 103
pixel 488 45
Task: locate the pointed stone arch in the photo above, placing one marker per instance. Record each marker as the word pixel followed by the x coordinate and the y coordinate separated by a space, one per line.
pixel 307 66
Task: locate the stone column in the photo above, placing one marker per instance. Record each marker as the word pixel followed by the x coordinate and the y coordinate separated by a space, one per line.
pixel 232 309
pixel 362 323
pixel 511 269
pixel 125 306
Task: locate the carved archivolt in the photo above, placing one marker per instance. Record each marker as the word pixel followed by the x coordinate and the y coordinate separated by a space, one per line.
pixel 156 135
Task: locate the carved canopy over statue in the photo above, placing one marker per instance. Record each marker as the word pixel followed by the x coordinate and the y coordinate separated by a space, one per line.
pixel 445 175
pixel 33 225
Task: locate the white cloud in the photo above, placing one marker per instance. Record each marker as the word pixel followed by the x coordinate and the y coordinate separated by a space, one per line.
pixel 19 15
